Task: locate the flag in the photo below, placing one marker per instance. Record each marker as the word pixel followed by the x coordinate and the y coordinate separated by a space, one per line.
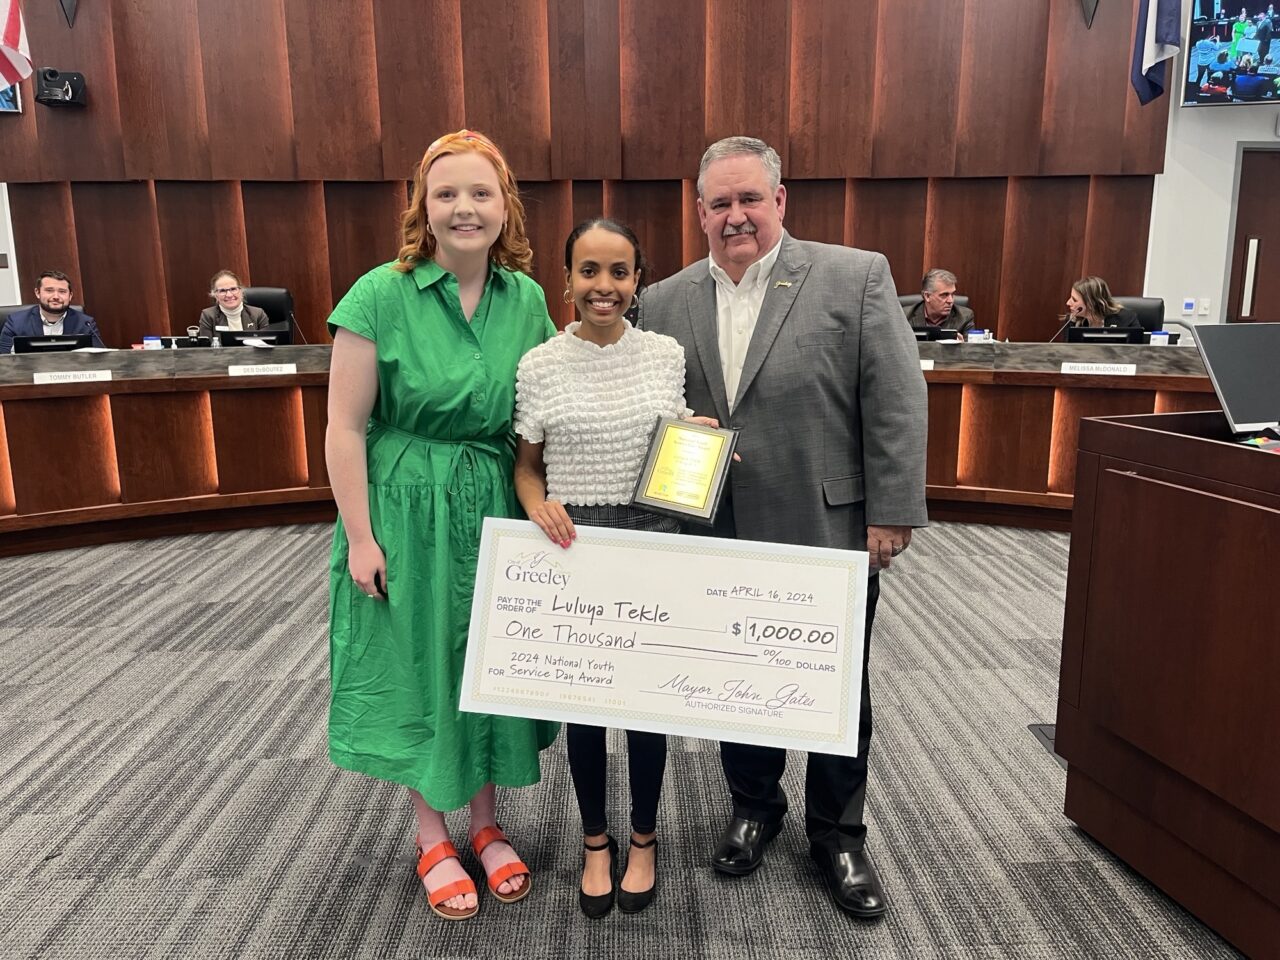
pixel 15 54
pixel 1156 40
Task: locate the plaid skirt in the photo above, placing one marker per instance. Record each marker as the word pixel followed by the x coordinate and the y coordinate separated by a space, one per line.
pixel 621 515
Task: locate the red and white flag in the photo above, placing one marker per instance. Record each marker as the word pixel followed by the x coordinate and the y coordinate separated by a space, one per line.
pixel 15 53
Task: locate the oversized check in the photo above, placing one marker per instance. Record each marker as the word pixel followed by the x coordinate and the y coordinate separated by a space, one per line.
pixel 696 636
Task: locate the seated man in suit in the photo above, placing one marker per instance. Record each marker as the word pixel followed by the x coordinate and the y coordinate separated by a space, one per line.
pixel 938 308
pixel 52 315
pixel 229 308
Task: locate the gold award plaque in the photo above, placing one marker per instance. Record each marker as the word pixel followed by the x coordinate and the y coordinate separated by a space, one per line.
pixel 685 469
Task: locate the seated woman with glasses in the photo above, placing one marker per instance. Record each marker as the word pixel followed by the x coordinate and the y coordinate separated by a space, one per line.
pixel 229 308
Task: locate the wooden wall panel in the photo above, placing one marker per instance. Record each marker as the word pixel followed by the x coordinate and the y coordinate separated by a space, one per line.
pixel 548 209
pixel 201 231
pixel 334 79
pixel 663 86
pixel 76 144
pixel 741 98
pixel 21 154
pixel 259 439
pixel 586 90
pixel 39 457
pixel 289 247
pixel 833 65
pixel 1004 437
pixel 888 216
pixel 164 446
pixel 1070 405
pixel 44 235
pixel 7 505
pixel 504 49
pixel 247 99
pixel 363 221
pixel 1119 214
pixel 124 283
pixel 1169 401
pixel 694 242
pixel 588 200
pixel 315 422
pixel 915 106
pixel 1001 88
pixel 335 103
pixel 1043 253
pixel 654 210
pixel 964 233
pixel 945 403
pixel 414 111
pixel 1085 88
pixel 816 210
pixel 161 87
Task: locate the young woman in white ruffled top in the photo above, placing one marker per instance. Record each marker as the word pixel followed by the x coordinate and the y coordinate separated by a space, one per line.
pixel 586 403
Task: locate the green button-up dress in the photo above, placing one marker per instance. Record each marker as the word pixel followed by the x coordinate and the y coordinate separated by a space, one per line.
pixel 440 459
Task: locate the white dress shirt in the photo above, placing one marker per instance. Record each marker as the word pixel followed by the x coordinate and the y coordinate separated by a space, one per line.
pixel 737 309
pixel 52 328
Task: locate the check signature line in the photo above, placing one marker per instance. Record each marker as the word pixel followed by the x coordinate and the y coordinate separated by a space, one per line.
pixel 748 703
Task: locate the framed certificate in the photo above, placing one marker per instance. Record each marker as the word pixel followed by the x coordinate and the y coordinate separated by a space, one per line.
pixel 685 469
pixel 692 636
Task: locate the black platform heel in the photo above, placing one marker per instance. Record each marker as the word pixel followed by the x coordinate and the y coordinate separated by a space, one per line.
pixel 597 906
pixel 629 902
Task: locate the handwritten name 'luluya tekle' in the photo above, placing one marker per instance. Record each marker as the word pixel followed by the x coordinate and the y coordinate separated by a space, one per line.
pixel 626 610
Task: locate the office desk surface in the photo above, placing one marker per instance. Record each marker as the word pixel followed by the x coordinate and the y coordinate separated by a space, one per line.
pixel 173 443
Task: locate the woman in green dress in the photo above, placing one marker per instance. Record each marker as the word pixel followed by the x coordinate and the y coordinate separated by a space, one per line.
pixel 420 449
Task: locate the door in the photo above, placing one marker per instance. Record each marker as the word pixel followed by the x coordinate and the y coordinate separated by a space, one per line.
pixel 1255 253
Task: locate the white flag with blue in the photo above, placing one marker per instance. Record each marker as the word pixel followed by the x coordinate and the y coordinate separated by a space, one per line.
pixel 1157 38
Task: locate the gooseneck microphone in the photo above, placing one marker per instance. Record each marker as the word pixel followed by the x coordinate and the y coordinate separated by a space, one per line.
pixel 1068 319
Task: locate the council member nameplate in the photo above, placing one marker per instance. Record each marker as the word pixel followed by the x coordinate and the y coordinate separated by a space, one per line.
pixel 684 472
pixel 694 636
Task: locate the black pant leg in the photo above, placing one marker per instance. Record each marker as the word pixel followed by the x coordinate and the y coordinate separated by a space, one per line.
pixel 754 774
pixel 588 765
pixel 646 763
pixel 836 787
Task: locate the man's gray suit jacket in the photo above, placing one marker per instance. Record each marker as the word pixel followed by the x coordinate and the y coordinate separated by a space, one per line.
pixel 831 404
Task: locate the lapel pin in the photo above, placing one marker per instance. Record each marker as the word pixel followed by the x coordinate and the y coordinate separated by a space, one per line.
pixel 781 283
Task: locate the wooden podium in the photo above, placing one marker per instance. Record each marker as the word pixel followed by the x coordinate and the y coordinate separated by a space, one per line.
pixel 1169 699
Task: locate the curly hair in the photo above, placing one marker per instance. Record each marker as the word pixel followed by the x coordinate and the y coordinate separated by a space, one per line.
pixel 510 250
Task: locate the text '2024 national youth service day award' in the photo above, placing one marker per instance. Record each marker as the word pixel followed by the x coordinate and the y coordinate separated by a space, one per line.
pixel 694 636
pixel 685 469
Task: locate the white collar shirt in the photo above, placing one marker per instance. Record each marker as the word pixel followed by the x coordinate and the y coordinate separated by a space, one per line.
pixel 737 310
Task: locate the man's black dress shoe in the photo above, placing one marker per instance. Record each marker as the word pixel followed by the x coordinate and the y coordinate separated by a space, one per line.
pixel 852 881
pixel 741 848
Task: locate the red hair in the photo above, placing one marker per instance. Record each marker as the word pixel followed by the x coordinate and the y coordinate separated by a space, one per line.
pixel 510 250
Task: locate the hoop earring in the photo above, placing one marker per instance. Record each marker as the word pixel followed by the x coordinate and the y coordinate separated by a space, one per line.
pixel 430 233
pixel 567 296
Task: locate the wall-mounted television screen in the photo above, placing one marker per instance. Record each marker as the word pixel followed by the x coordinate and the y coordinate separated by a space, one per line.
pixel 1233 53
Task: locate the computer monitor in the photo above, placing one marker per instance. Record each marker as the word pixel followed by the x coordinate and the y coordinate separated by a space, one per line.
pixel 1104 334
pixel 1242 360
pixel 937 333
pixel 51 343
pixel 235 338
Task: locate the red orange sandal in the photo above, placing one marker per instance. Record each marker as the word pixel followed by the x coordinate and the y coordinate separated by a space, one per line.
pixel 445 850
pixel 516 868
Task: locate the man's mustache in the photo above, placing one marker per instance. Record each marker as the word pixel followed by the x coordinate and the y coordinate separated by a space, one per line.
pixel 744 230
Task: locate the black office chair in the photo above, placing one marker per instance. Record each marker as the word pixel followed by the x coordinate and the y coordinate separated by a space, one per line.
pixel 1150 310
pixel 276 302
pixel 910 300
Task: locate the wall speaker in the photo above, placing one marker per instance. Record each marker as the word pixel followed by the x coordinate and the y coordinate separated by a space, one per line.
pixel 59 88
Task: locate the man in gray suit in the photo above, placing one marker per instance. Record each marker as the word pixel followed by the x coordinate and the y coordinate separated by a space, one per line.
pixel 804 349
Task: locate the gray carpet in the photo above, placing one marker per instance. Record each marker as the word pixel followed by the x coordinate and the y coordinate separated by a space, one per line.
pixel 165 792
